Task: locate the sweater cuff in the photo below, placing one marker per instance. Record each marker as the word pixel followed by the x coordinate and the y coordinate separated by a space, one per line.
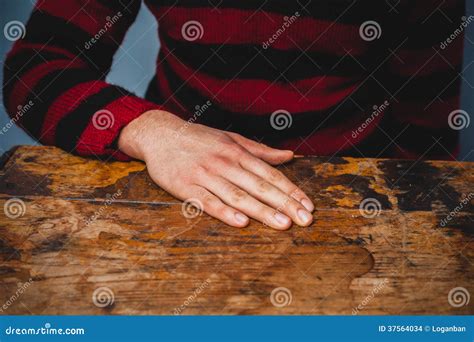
pixel 101 135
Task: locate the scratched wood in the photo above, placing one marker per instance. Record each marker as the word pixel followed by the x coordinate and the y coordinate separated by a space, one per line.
pixel 101 238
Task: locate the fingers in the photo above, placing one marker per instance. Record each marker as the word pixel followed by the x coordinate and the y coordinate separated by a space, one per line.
pixel 277 178
pixel 242 201
pixel 216 208
pixel 270 155
pixel 266 192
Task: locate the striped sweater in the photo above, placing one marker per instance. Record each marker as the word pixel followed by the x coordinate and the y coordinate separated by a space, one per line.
pixel 321 77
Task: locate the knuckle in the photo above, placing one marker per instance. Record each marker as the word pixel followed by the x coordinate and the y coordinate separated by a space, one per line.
pixel 267 217
pixel 184 177
pixel 225 142
pixel 235 135
pixel 209 203
pixel 275 175
pixel 237 195
pixel 295 192
pixel 263 147
pixel 293 206
pixel 223 138
pixel 217 164
pixel 263 186
pixel 288 204
pixel 236 150
pixel 200 172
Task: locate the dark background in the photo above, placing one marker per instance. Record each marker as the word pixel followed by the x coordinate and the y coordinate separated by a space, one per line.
pixel 135 64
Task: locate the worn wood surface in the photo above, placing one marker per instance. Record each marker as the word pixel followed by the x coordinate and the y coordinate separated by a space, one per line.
pixel 98 238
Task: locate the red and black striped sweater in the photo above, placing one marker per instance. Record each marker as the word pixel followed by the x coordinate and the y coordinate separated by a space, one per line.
pixel 323 77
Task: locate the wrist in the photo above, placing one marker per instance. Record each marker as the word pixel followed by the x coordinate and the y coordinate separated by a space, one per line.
pixel 140 135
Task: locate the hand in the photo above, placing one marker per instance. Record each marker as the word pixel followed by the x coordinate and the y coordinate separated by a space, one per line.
pixel 228 174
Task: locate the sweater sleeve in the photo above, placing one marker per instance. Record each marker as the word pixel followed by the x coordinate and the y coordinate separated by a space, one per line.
pixel 425 75
pixel 54 76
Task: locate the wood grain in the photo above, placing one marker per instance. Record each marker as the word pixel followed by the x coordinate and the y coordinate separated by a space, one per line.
pixel 89 224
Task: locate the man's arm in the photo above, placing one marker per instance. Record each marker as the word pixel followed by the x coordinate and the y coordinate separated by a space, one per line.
pixel 58 70
pixel 60 66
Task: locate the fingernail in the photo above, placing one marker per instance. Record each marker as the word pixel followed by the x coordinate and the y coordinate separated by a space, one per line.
pixel 307 204
pixel 282 219
pixel 304 215
pixel 240 218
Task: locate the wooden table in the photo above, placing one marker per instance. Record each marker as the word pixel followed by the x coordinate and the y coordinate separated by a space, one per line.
pixel 101 238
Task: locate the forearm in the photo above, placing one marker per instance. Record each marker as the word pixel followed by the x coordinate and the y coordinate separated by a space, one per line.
pixel 63 81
